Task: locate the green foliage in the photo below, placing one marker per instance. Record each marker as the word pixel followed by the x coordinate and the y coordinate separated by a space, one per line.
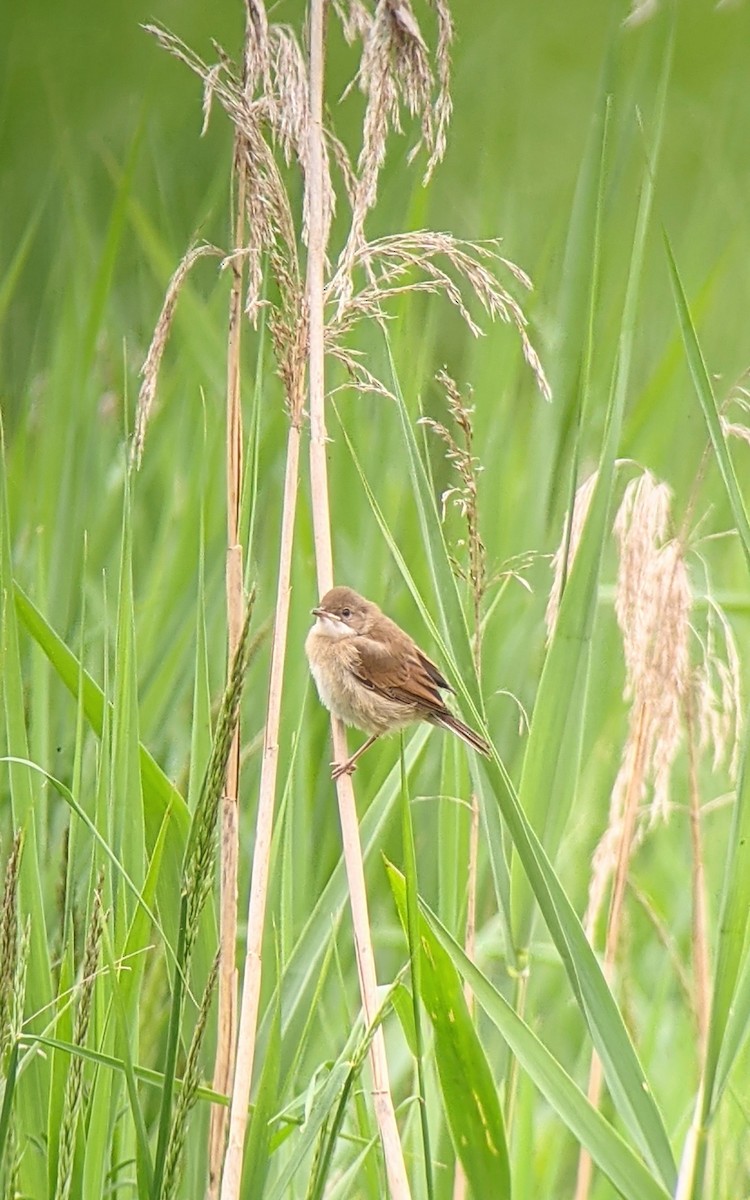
pixel 573 140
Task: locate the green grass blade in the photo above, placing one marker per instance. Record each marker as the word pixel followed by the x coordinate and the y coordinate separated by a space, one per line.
pixel 125 796
pixel 320 1110
pixel 33 1091
pixel 156 784
pixel 170 1059
pixel 258 1153
pixel 611 1153
pixel 160 796
pixel 453 636
pixel 120 870
pixel 125 1024
pixel 730 1005
pixel 469 1091
pixel 556 731
pixel 704 392
pixel 411 926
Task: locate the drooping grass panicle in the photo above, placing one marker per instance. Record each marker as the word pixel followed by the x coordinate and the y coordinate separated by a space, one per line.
pixel 152 363
pixel 188 1091
pixel 268 108
pixel 74 1083
pixel 435 263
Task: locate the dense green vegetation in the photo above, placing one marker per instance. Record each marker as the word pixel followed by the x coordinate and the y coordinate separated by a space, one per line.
pixel 587 145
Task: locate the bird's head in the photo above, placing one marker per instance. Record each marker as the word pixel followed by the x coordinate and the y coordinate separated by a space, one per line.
pixel 344 613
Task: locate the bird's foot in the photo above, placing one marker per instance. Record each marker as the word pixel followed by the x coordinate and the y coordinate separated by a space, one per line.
pixel 344 768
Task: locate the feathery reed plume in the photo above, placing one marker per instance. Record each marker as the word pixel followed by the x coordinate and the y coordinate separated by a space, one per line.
pixel 652 603
pixel 651 583
pixel 188 1091
pixel 668 698
pixel 74 1083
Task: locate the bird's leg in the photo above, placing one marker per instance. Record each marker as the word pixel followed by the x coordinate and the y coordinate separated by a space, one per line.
pixel 349 767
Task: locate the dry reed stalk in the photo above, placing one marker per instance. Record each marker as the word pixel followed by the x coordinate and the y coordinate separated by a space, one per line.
pixel 229 835
pixel 248 1023
pixel 385 1114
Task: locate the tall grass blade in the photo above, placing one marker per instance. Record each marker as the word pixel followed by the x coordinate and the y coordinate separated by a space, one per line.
pixel 469 1091
pixel 411 925
pixel 614 1156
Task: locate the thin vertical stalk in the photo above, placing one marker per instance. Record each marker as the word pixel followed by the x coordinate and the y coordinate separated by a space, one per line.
pixel 232 1175
pixel 229 841
pixel 382 1100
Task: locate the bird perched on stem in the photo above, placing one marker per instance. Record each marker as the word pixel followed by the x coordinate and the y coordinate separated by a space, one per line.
pixel 369 673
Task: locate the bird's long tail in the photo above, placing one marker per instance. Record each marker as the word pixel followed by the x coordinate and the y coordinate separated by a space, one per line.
pixel 468 735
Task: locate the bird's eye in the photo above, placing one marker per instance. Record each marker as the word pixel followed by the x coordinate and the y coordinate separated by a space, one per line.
pixel 346 612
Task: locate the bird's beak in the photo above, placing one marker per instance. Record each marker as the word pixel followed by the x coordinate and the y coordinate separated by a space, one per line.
pixel 324 615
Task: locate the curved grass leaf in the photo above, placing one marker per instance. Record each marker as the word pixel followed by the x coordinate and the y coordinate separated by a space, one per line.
pixel 469 1091
pixel 613 1155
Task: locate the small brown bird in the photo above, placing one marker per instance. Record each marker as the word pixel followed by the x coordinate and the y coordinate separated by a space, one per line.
pixel 369 673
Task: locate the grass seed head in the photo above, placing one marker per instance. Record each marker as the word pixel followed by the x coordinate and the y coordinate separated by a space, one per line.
pixel 10 1014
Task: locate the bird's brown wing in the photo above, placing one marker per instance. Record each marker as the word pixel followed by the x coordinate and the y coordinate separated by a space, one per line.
pixel 401 673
